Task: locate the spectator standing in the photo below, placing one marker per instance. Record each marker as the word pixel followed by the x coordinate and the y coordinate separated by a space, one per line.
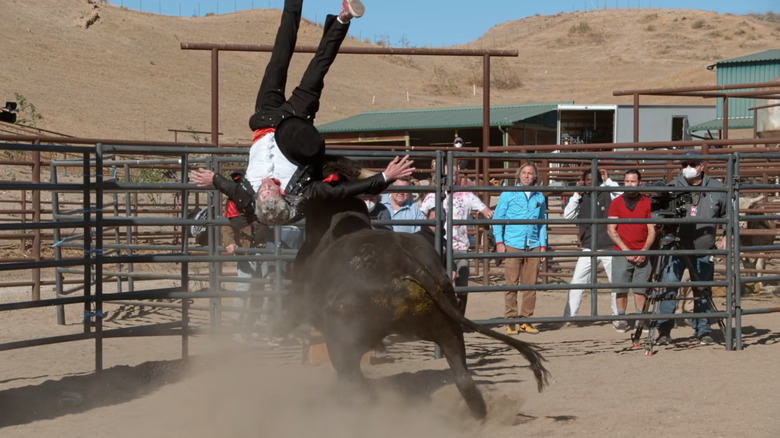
pixel 527 238
pixel 401 207
pixel 464 204
pixel 632 268
pixel 579 207
pixel 694 236
pixel 377 211
pixel 428 232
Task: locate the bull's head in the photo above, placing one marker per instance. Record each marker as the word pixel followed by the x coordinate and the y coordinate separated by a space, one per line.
pixel 344 223
pixel 746 204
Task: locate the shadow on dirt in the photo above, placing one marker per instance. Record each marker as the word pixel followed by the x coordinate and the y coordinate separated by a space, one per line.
pixel 80 393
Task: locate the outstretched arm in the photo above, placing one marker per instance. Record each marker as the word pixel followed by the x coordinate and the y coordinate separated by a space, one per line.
pixel 398 168
pixel 322 190
pixel 202 177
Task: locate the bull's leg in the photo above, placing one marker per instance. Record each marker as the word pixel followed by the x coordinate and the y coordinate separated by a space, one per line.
pixel 747 263
pixel 750 263
pixel 454 351
pixel 760 266
pixel 345 357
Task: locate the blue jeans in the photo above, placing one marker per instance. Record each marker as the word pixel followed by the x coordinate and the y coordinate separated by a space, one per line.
pixel 290 238
pixel 705 270
pixel 245 269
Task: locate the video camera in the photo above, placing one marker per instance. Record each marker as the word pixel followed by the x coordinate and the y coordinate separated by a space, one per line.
pixel 670 204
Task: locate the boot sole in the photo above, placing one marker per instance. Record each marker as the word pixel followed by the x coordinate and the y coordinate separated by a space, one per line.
pixel 356 8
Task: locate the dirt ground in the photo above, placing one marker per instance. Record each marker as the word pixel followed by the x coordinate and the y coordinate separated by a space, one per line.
pixel 600 385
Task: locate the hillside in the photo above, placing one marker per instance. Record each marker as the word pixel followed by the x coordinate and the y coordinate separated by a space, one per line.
pixel 95 70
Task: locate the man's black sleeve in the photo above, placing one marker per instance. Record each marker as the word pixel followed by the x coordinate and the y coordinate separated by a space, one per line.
pixel 236 192
pixel 321 190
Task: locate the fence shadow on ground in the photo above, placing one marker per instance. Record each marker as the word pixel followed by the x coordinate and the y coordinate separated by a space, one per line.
pixel 80 393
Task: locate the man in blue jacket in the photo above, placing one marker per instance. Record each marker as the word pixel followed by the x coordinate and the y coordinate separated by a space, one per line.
pixel 527 238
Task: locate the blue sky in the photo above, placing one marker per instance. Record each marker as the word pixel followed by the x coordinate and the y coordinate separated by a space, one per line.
pixel 438 23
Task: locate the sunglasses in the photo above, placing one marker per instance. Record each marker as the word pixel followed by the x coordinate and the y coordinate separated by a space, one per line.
pixel 689 163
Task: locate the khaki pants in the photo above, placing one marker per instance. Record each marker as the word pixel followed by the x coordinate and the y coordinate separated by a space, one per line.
pixel 520 271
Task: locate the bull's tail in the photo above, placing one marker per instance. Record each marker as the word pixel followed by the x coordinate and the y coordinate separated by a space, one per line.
pixel 528 351
pixel 534 358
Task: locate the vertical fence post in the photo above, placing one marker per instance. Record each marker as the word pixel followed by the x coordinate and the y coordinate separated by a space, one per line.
pixel 36 246
pixel 98 258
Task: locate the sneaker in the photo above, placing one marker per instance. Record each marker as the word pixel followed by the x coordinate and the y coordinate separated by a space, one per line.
pixel 528 328
pixel 351 9
pixel 620 326
pixel 511 329
pixel 706 340
pixel 663 340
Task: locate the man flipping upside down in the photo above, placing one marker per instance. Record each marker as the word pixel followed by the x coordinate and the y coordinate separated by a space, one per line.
pixel 287 156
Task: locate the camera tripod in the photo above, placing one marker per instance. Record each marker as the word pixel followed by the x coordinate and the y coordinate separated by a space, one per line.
pixel 669 243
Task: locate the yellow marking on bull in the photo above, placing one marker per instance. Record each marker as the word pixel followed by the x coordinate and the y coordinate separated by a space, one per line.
pixel 412 299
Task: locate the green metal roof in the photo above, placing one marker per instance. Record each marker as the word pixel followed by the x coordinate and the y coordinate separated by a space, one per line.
pixel 757 67
pixel 437 118
pixel 766 55
pixel 717 124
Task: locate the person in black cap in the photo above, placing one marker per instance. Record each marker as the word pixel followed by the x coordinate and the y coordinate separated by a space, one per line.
pixel 699 236
pixel 287 156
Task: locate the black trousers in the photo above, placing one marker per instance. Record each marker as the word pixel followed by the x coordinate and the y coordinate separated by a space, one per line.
pixel 272 106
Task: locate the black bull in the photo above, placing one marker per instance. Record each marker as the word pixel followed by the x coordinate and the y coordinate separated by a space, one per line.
pixel 357 286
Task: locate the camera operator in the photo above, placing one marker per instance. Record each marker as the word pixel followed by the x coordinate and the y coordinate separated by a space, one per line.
pixel 699 205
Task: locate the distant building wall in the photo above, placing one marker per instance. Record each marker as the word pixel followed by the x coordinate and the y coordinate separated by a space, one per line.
pixel 655 122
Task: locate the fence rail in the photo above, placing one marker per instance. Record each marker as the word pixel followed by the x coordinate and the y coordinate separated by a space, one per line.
pixel 111 215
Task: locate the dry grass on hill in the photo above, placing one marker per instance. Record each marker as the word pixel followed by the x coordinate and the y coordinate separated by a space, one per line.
pixel 95 70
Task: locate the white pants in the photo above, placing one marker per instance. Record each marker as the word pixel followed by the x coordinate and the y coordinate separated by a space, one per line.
pixel 582 275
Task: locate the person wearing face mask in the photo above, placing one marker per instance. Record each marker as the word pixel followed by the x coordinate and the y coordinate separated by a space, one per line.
pixel 694 236
pixel 630 237
pixel 376 211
